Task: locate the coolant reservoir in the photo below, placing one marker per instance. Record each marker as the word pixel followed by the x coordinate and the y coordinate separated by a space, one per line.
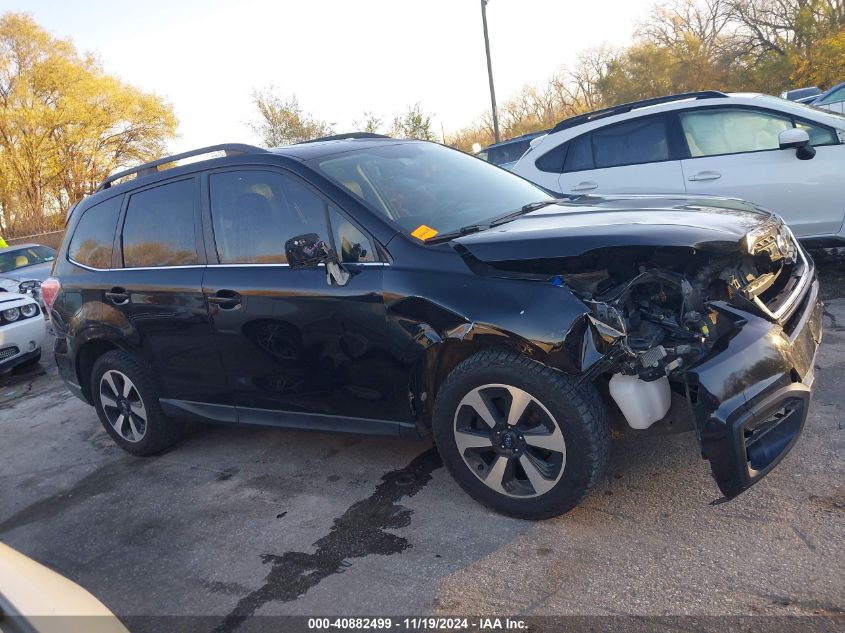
pixel 642 403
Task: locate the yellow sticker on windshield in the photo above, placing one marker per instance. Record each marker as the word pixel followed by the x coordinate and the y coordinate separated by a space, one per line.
pixel 423 232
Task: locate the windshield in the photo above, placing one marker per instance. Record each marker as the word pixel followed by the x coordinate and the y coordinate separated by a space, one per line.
pixel 12 259
pixel 428 185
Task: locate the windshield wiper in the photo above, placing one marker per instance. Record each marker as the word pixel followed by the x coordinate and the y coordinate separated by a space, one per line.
pixel 497 221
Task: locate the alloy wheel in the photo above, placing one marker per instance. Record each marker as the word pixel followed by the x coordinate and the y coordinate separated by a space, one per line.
pixel 123 406
pixel 509 440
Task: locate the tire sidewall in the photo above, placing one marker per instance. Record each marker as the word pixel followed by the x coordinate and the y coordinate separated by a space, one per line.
pixel 159 428
pixel 576 478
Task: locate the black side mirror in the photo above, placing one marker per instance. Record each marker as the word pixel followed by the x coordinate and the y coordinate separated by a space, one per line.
pixel 307 251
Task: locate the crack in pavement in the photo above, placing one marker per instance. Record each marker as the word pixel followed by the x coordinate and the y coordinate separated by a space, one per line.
pixel 358 532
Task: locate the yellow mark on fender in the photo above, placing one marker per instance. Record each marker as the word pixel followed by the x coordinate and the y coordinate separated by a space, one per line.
pixel 423 232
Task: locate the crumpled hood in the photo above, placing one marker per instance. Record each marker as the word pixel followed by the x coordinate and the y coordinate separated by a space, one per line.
pixel 590 222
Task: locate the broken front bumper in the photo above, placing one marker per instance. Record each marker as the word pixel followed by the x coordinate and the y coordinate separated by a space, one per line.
pixel 752 395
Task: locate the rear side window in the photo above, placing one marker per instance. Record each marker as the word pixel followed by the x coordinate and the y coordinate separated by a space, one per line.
pixel 254 213
pixel 159 227
pixel 93 237
pixel 552 161
pixel 639 141
pixel 833 97
pixel 580 154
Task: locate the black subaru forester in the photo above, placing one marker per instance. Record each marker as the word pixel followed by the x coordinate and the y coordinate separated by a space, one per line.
pixel 402 288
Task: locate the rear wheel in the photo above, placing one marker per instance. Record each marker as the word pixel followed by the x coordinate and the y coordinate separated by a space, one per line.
pixel 128 406
pixel 519 436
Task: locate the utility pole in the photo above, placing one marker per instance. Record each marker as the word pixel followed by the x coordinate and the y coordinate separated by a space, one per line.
pixel 490 70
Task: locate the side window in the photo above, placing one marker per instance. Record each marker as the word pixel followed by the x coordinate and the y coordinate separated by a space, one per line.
pixel 159 227
pixel 833 97
pixel 552 161
pixel 819 134
pixel 580 154
pixel 255 212
pixel 643 140
pixel 732 131
pixel 352 245
pixel 93 237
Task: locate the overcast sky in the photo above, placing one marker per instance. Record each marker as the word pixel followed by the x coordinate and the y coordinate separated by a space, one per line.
pixel 340 57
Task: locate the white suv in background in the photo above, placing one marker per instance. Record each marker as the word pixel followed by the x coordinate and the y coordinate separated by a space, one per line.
pixel 784 156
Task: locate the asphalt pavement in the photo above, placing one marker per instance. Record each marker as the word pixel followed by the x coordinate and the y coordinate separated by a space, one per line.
pixel 234 522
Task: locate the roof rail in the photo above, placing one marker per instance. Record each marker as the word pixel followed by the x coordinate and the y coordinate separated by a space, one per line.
pixel 345 135
pixel 231 149
pixel 627 107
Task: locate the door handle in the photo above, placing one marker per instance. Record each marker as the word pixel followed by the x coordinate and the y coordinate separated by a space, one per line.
pixel 585 186
pixel 225 299
pixel 118 296
pixel 706 175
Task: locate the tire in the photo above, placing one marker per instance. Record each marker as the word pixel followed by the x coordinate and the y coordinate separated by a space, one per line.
pixel 32 362
pixel 144 428
pixel 546 472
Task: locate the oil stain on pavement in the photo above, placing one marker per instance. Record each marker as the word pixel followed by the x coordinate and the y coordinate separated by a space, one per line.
pixel 360 531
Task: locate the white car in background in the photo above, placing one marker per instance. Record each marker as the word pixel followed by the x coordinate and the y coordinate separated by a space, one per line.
pixel 22 331
pixel 783 156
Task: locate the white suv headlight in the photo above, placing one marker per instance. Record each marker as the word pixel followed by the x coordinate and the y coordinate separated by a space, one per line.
pixel 29 310
pixel 11 314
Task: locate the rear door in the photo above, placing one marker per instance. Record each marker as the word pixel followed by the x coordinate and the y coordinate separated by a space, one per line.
pixel 291 341
pixel 734 151
pixel 635 156
pixel 153 293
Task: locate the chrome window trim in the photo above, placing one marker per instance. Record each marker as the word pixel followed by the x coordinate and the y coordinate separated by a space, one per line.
pixel 91 268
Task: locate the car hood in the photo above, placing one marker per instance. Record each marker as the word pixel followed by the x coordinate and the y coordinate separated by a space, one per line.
pixel 36 271
pixel 575 227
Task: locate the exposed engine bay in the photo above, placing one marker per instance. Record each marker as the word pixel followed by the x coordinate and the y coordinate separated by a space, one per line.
pixel 655 310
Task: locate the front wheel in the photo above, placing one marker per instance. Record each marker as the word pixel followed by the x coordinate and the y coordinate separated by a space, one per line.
pixel 519 436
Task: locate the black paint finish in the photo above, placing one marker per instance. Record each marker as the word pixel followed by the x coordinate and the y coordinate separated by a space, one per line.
pixel 281 346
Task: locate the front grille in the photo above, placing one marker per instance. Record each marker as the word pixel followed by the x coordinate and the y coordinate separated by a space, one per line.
pixel 8 352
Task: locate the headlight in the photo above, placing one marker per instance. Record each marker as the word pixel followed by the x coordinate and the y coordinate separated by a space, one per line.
pixel 29 310
pixel 11 314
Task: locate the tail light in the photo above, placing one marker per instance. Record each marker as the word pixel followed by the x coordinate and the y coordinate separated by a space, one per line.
pixel 49 291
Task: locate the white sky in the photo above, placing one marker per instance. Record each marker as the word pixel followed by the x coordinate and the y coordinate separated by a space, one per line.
pixel 340 57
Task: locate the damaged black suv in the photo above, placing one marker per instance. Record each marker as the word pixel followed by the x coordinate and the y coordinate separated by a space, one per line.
pixel 386 287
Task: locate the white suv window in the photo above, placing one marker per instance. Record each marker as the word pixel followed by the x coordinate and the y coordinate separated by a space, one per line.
pixel 732 131
pixel 833 97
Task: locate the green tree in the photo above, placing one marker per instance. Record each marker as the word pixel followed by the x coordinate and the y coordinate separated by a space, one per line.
pixel 283 122
pixel 370 123
pixel 414 123
pixel 64 125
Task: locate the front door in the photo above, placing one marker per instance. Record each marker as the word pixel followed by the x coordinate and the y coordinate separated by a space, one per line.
pixel 292 340
pixel 734 152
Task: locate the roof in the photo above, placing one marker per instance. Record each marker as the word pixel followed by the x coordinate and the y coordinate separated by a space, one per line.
pixel 622 108
pixel 516 139
pixel 301 151
pixel 321 148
